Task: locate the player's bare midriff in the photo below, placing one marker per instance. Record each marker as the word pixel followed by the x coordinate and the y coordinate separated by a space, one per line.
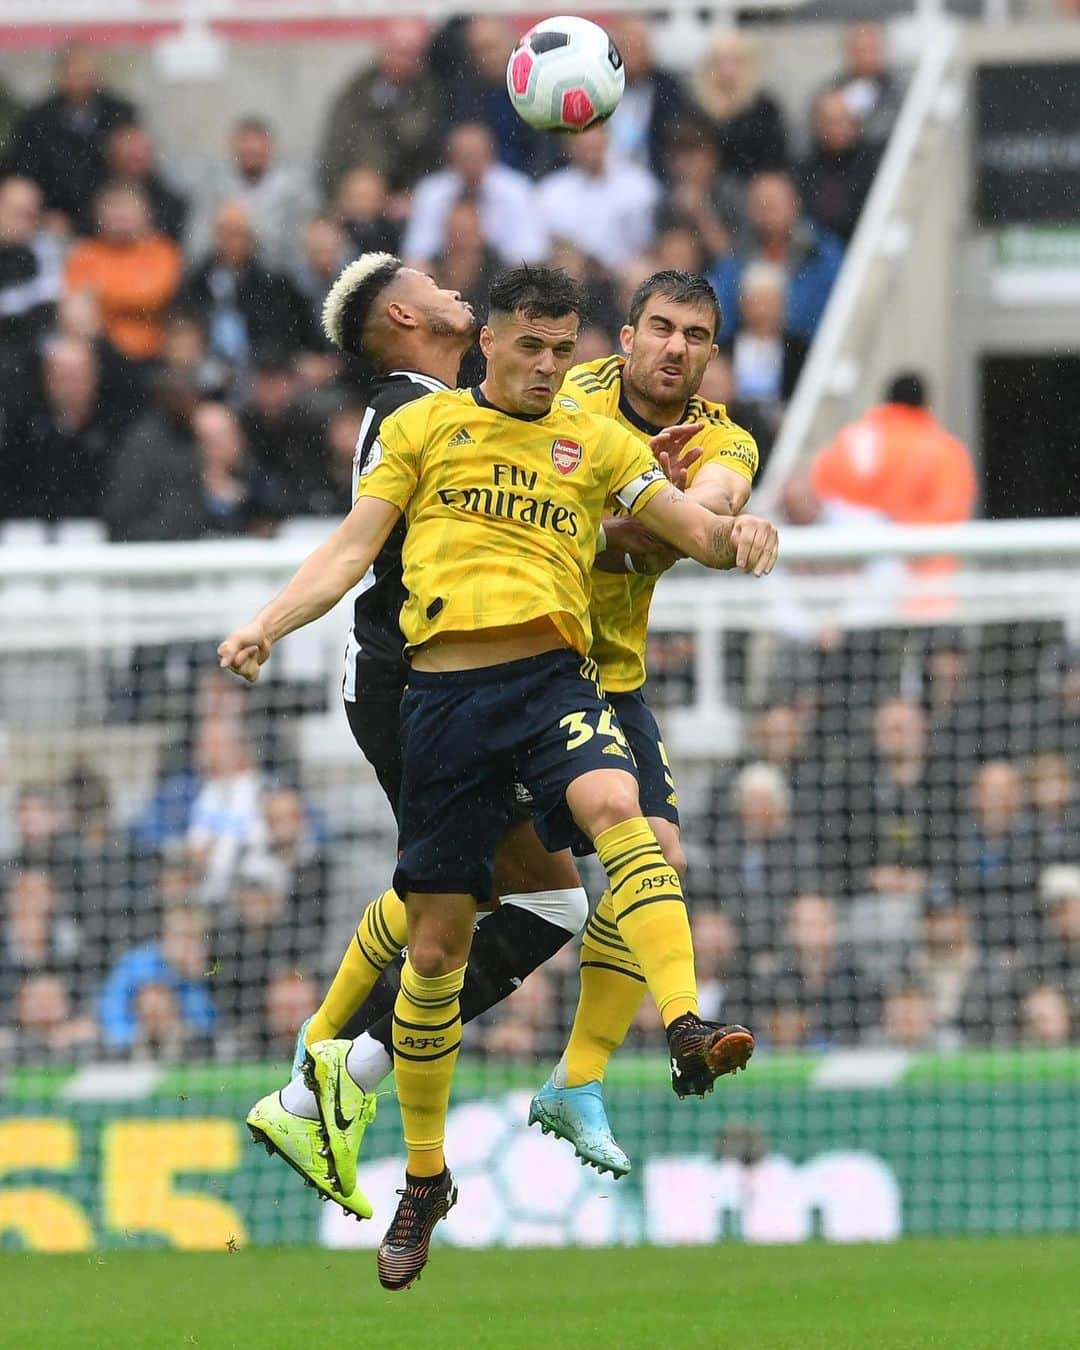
pixel 487 647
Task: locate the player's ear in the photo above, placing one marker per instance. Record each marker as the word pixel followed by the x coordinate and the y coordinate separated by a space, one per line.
pixel 401 314
pixel 487 340
pixel 626 338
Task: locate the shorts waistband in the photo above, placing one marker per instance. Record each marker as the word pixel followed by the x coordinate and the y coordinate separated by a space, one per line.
pixel 508 670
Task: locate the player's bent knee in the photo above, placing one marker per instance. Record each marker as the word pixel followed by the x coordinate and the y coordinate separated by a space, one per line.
pixel 603 798
pixel 430 958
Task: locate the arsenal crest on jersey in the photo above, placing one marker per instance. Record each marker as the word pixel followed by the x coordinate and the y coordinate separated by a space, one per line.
pixel 566 455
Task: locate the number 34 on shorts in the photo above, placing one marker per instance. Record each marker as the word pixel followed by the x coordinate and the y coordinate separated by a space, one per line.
pixel 581 727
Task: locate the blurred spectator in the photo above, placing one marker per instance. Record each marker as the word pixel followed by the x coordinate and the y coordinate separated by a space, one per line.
pixel 908 1020
pixel 604 206
pixel 716 965
pixel 467 263
pixel 810 256
pixel 652 105
pixel 153 490
pixel 835 178
pixel 254 937
pixel 240 301
pixel 290 842
pixel 284 438
pixel 745 122
pixel 30 281
pixel 326 251
pixel 48 1029
pixel 708 203
pixel 1047 1019
pixel 598 287
pixel 184 354
pixel 328 489
pixel 226 815
pixel 813 972
pixel 35 935
pixel 62 450
pixel 43 839
pixel 505 198
pixel 898 462
pixel 1052 795
pixel 133 272
pixel 388 117
pixel 278 198
pixel 123 383
pixel 364 209
pixel 894 809
pixel 968 993
pixel 109 876
pixel 131 160
pixel 60 142
pixel 523 1026
pixel 475 90
pixel 593 343
pixel 1057 958
pixel 235 498
pixel 178 963
pixel 754 852
pixel 161 1032
pixel 10 110
pixel 871 90
pixel 291 998
pixel 997 858
pixel 765 358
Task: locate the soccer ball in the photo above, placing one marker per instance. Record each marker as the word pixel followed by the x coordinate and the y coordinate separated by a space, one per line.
pixel 565 74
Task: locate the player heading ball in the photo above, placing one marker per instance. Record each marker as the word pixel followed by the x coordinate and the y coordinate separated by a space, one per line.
pixel 497 630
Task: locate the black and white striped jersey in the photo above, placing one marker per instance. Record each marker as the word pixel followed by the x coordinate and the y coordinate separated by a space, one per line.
pixel 375 640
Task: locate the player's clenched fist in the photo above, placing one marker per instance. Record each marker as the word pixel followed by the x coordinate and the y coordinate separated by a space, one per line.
pixel 244 652
pixel 756 545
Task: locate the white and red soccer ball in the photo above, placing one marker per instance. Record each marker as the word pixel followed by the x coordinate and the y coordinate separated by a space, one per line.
pixel 565 74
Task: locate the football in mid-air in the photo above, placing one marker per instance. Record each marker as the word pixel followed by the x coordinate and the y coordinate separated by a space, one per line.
pixel 565 74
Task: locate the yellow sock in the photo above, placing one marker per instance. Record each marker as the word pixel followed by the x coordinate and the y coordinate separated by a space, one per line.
pixel 651 914
pixel 612 988
pixel 427 1034
pixel 379 938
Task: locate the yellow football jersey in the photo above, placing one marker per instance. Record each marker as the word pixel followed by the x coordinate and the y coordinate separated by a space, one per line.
pixel 620 602
pixel 502 512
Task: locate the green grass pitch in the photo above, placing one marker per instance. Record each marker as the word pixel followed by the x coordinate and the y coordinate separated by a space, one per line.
pixel 957 1294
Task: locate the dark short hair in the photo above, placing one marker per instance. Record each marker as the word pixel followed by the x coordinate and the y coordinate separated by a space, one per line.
pixel 908 388
pixel 536 292
pixel 252 122
pixel 684 288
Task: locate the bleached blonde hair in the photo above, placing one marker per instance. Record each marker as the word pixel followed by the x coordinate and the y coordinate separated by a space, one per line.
pixel 350 297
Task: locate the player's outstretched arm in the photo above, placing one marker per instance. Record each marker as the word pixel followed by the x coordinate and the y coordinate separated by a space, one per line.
pixel 745 542
pixel 320 581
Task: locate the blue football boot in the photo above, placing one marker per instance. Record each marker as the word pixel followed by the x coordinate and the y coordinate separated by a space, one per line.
pixel 577 1114
pixel 300 1050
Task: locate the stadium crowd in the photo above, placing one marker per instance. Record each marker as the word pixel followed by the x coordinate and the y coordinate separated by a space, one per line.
pixel 892 859
pixel 162 360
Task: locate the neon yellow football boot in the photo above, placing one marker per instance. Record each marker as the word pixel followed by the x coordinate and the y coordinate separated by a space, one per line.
pixel 345 1108
pixel 300 1143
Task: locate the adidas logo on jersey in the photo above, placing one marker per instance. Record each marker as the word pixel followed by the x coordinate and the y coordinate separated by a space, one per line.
pixel 612 749
pixel 460 437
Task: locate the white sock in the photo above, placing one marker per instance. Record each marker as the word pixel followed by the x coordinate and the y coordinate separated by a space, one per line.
pixel 367 1062
pixel 298 1099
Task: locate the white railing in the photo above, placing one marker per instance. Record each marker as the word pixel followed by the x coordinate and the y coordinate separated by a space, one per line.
pixel 829 369
pixel 1047 540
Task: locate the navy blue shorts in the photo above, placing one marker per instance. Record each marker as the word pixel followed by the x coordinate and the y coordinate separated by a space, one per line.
pixel 468 736
pixel 656 786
